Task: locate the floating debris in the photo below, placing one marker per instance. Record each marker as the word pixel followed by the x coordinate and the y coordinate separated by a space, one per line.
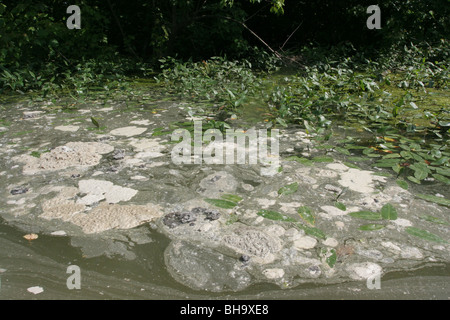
pixel 19 190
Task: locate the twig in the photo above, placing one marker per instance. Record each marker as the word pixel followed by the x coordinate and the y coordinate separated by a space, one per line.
pixel 291 36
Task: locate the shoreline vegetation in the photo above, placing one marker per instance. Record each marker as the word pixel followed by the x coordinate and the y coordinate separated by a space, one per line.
pixel 389 86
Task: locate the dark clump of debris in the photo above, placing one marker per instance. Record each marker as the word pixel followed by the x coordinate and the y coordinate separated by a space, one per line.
pixel 175 219
pixel 19 190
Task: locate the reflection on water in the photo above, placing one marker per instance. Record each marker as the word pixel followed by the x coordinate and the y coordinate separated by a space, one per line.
pixel 43 262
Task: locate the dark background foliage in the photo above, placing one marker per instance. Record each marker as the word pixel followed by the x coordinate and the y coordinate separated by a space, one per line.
pixel 34 36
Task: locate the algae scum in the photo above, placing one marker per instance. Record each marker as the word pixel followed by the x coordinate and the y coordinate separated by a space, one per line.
pixel 97 184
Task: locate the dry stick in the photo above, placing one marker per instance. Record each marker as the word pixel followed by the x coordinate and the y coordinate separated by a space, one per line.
pixel 291 36
pixel 276 53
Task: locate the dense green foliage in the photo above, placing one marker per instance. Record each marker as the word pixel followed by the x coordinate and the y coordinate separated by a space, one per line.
pixel 118 38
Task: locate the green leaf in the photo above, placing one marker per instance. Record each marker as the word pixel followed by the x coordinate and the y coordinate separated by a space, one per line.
pixel 441 178
pixel 231 197
pixel 323 159
pixel 424 234
pixel 357 159
pixel 289 189
pixel 368 215
pixel 225 204
pixel 95 122
pixel 306 214
pixel 402 184
pixel 420 172
pixel 413 179
pixel 351 165
pixel 440 161
pixel 386 163
pixel 331 259
pixel 438 200
pixel 304 161
pixel 434 220
pixel 312 231
pixel 371 227
pixel 274 215
pixel 443 171
pixel 388 212
pixel 340 206
pixel 343 151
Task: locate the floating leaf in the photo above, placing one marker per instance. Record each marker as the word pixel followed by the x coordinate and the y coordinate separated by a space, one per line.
pixel 313 231
pixel 225 204
pixel 443 171
pixel 351 165
pixel 420 172
pixel 402 184
pixel 231 197
pixel 340 206
pixel 289 189
pixel 413 179
pixel 331 259
pixel 368 215
pixel 307 215
pixel 304 161
pixel 440 161
pixel 36 154
pixel 388 212
pixel 95 122
pixel 438 200
pixel 424 234
pixel 357 159
pixel 371 227
pixel 386 163
pixel 441 178
pixel 274 215
pixel 323 159
pixel 343 151
pixel 434 220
